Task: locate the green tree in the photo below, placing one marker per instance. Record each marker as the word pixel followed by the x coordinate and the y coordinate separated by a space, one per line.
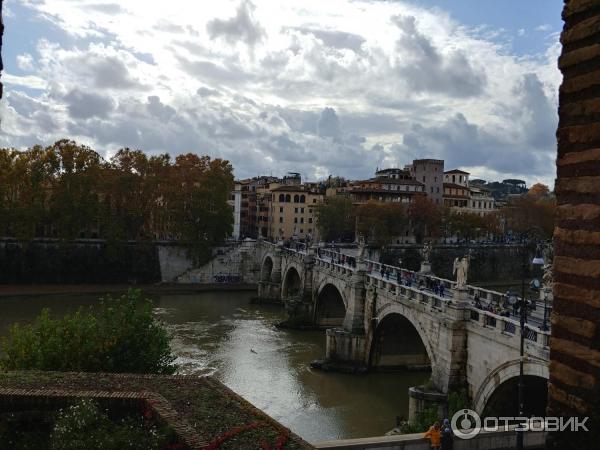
pixel 121 335
pixel 335 219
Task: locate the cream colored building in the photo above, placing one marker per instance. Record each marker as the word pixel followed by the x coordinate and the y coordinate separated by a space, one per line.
pixel 292 212
pixel 460 196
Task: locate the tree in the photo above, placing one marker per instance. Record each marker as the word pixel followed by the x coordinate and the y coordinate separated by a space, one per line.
pixel 425 218
pixel 121 335
pixel 526 214
pixel 74 200
pixel 335 219
pixel 381 222
pixel 197 199
pixel 538 191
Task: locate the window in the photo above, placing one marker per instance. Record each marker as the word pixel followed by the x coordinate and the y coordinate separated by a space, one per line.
pixel 280 219
pixel 454 178
pixel 435 178
pixel 281 209
pixel 310 230
pixel 295 210
pixel 301 219
pixel 438 190
pixel 288 198
pixel 295 220
pixel 281 198
pixel 310 220
pixel 302 199
pixel 423 178
pixel 296 198
pixel 310 210
pixel 314 200
pixel 460 179
pixel 432 189
pixel 302 210
pixel 301 230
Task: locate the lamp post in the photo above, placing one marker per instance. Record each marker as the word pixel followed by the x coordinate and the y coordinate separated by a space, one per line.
pixel 537 260
pixel 545 322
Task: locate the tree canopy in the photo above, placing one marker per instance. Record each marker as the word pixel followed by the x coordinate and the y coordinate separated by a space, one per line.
pixel 68 191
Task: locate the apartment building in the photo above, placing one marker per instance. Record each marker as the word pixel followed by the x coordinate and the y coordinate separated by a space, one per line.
pixel 460 196
pixel 389 185
pixel 292 212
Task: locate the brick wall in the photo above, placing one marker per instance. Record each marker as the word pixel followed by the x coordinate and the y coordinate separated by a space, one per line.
pixel 575 343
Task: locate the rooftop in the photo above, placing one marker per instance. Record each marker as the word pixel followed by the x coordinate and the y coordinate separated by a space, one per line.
pixel 457 171
pixel 201 410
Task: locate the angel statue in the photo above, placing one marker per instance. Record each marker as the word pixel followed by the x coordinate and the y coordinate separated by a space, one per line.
pixel 361 246
pixel 460 269
pixel 426 251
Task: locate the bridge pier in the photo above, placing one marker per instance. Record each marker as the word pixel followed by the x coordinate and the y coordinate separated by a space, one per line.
pixel 298 299
pixel 346 347
pixel 269 287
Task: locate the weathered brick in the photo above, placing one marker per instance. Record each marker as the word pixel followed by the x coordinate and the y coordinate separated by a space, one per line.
pixel 573 7
pixel 579 83
pixel 578 56
pixel 582 30
pixel 572 377
pixel 577 351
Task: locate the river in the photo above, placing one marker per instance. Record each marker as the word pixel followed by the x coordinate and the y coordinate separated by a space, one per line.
pixel 222 334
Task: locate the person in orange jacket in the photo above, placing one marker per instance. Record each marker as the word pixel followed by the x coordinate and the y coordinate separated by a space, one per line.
pixel 434 435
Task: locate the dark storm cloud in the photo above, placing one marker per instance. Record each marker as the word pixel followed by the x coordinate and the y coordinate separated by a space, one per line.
pixel 83 105
pixel 464 144
pixel 241 27
pixel 105 71
pixel 329 124
pixel 425 69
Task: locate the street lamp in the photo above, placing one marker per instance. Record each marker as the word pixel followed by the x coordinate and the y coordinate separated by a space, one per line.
pixel 537 261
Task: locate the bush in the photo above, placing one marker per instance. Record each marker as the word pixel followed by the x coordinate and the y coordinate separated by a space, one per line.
pixel 84 426
pixel 119 336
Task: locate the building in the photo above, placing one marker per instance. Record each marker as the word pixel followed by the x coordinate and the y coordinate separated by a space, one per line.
pixel 292 212
pixel 389 185
pixel 430 172
pixel 460 196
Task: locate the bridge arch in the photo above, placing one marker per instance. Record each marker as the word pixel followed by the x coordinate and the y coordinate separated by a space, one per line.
pixel 266 268
pixel 399 342
pixel 292 283
pixel 330 306
pixel 502 382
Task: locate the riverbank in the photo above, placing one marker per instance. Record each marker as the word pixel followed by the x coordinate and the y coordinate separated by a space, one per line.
pixel 32 290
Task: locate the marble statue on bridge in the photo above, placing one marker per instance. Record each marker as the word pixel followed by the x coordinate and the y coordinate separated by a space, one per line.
pixel 461 269
pixel 426 251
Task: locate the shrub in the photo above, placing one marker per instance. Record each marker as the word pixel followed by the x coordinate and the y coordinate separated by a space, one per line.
pixel 121 335
pixel 84 426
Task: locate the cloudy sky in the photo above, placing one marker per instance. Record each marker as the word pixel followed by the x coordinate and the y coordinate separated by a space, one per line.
pixel 314 86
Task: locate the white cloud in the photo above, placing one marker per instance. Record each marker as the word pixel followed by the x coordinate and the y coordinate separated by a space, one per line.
pixel 25 62
pixel 307 85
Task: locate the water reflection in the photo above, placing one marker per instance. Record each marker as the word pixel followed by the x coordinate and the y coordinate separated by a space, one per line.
pixel 224 335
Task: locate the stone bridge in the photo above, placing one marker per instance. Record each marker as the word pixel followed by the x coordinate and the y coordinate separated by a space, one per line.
pixel 378 320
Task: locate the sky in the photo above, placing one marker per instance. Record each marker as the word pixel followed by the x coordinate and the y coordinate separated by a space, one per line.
pixel 317 87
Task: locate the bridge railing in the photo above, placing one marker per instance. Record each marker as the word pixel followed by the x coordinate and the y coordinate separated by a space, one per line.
pixel 409 292
pixel 509 327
